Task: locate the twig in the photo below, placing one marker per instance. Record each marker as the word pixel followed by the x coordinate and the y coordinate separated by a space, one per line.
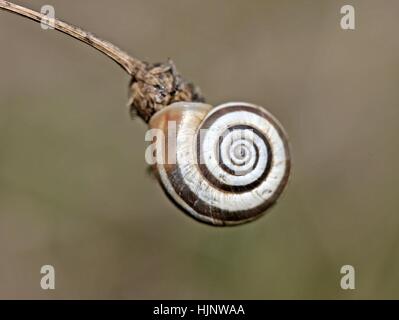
pixel 153 86
pixel 127 62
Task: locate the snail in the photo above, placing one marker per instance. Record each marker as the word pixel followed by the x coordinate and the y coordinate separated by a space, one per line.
pixel 231 162
pixel 223 165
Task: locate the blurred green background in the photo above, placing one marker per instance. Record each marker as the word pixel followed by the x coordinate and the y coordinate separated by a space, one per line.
pixel 74 191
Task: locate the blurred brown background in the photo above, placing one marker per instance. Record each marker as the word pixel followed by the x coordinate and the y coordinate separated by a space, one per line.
pixel 74 191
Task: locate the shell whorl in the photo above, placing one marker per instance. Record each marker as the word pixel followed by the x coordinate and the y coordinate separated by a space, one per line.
pixel 231 163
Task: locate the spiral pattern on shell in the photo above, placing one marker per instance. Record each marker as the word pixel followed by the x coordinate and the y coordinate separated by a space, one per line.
pixel 231 163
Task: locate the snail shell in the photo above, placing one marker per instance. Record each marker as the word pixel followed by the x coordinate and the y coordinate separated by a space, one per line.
pixel 231 163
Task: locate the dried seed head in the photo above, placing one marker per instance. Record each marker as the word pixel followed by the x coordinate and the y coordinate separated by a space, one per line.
pixel 156 86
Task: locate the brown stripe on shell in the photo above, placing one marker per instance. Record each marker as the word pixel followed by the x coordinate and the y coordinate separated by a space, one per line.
pixel 213 215
pixel 231 188
pixel 217 215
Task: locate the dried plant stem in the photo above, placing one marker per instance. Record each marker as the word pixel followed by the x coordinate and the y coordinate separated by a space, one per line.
pixel 153 86
pixel 127 62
